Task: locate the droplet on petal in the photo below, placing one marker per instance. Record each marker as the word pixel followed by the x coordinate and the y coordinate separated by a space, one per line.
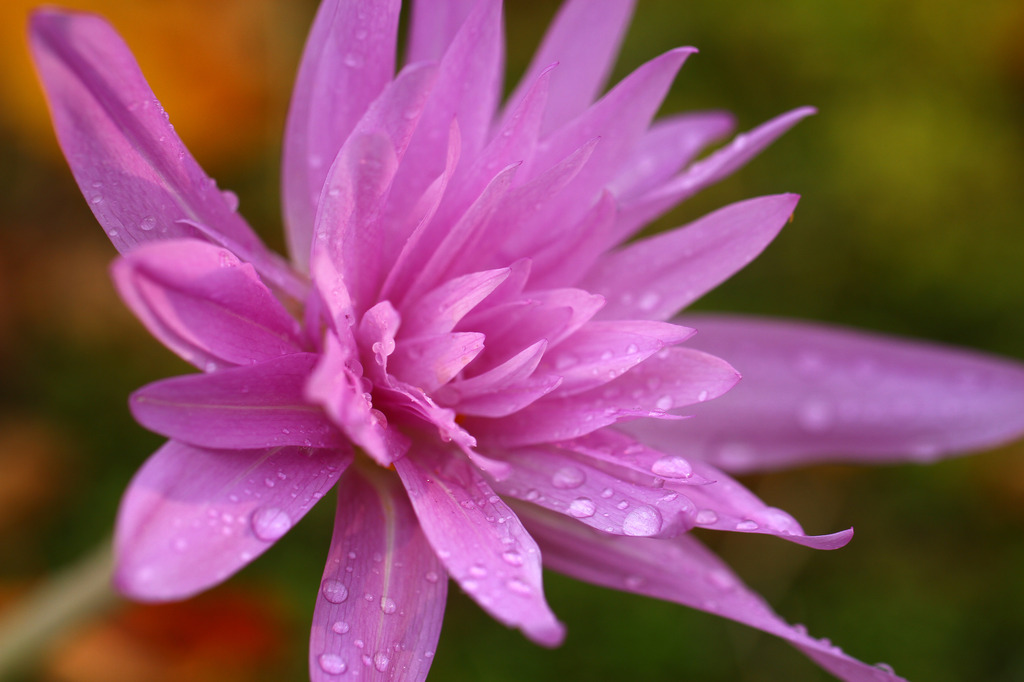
pixel 642 521
pixel 672 466
pixel 567 478
pixel 270 523
pixel 332 664
pixel 582 508
pixel 334 591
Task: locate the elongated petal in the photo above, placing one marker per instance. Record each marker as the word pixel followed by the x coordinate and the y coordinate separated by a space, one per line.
pixel 348 59
pixel 705 172
pixel 205 304
pixel 439 310
pixel 583 40
pixel 481 542
pixel 244 407
pixel 683 571
pixel 381 601
pixel 673 378
pixel 138 177
pixel 813 393
pixel 430 362
pixel 657 277
pixel 192 517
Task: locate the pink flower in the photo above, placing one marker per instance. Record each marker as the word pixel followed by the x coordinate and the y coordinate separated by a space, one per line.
pixel 463 341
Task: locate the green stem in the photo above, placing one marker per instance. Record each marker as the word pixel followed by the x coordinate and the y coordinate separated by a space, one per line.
pixel 57 604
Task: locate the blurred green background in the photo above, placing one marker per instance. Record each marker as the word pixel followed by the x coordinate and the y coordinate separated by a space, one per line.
pixel 912 178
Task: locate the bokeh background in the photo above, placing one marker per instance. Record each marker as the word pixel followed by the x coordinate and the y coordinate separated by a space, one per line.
pixel 911 223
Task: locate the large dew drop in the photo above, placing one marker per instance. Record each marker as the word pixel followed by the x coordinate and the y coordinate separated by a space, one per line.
pixel 332 664
pixel 270 523
pixel 642 521
pixel 334 591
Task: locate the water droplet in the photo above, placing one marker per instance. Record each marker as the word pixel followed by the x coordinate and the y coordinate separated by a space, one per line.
pixel 147 223
pixel 432 577
pixel 231 199
pixel 387 605
pixel 632 348
pixel 334 591
pixel 567 478
pixel 706 517
pixel 340 627
pixel 672 466
pixel 648 301
pixel 815 415
pixel 634 582
pixel 512 558
pixel 722 579
pixel 607 492
pixel 518 586
pixel 702 396
pixel 270 523
pixel 353 60
pixel 642 521
pixel 381 661
pixel 478 571
pixel 665 402
pixel 332 664
pixel 582 508
pixel 747 525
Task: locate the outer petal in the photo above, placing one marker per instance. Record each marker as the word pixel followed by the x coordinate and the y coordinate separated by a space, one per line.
pixel 683 571
pixel 243 407
pixel 705 172
pixel 204 304
pixel 349 58
pixel 583 40
pixel 138 177
pixel 480 541
pixel 813 393
pixel 657 277
pixel 381 601
pixel 192 517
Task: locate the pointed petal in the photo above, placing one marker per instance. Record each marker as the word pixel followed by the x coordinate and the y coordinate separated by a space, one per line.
pixel 813 393
pixel 382 597
pixel 670 144
pixel 439 310
pixel 602 351
pixel 705 172
pixel 657 277
pixel 204 304
pixel 584 40
pixel 673 378
pixel 605 500
pixel 683 571
pixel 481 542
pixel 430 362
pixel 138 177
pixel 192 517
pixel 254 406
pixel 348 59
pixel 434 25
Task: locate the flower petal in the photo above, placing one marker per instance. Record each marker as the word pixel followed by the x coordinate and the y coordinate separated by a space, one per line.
pixel 247 407
pixel 657 277
pixel 813 393
pixel 440 309
pixel 430 362
pixel 683 571
pixel 138 177
pixel 192 517
pixel 481 542
pixel 381 601
pixel 705 172
pixel 673 378
pixel 583 40
pixel 204 304
pixel 348 60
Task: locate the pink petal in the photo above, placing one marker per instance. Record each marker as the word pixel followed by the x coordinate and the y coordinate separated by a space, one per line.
pixel 670 144
pixel 434 25
pixel 673 378
pixel 204 304
pixel 430 362
pixel 381 601
pixel 583 40
pixel 254 406
pixel 138 177
pixel 192 517
pixel 348 216
pixel 657 277
pixel 336 384
pixel 812 393
pixel 467 89
pixel 602 351
pixel 605 500
pixel 480 541
pixel 348 60
pixel 705 172
pixel 683 571
pixel 439 310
